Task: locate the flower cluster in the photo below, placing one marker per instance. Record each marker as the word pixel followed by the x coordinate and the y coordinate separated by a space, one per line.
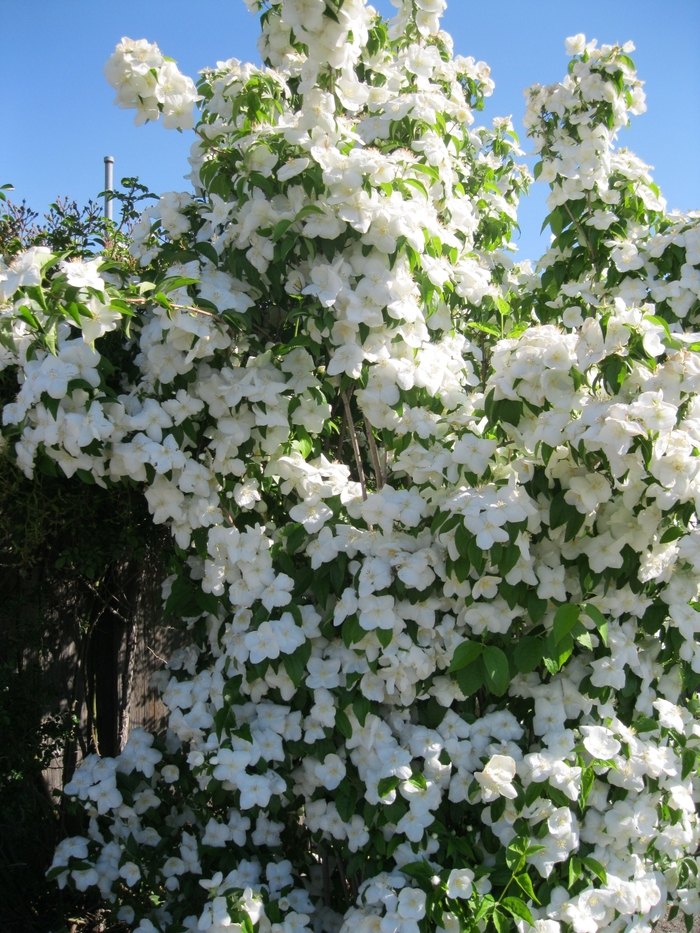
pixel 434 514
pixel 151 84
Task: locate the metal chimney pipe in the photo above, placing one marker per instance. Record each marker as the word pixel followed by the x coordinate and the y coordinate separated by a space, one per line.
pixel 109 185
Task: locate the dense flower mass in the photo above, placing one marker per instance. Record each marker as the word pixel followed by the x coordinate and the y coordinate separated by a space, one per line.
pixel 434 512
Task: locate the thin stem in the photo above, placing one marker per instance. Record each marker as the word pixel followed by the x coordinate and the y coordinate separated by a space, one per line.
pixel 104 602
pixel 343 880
pixel 143 301
pixel 355 882
pixel 374 454
pixel 156 656
pixel 355 444
pixel 343 429
pixel 325 858
pixel 209 144
pixel 582 236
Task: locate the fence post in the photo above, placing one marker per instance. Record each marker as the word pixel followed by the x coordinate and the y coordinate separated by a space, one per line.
pixel 109 185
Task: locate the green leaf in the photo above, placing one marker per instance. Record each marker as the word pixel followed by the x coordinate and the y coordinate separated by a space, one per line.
pixel 601 623
pixel 420 871
pixel 565 618
pixel 337 573
pixel 524 882
pixel 528 653
pixel 346 800
pixel 386 785
pixel 498 808
pixel 429 170
pixel 163 301
pixel 497 671
pixel 672 533
pixel 309 209
pixel 304 445
pixel 587 781
pixel 283 248
pixel 557 653
pixel 536 607
pixel 352 631
pixel 331 14
pixel 361 707
pixel 27 315
pixel 418 778
pixel 575 871
pixel 176 281
pixel 208 251
pixel 419 186
pixel 486 907
pixel 295 663
pixel 559 511
pixel 500 921
pixel 470 678
pixel 594 866
pixel 518 909
pixel 343 724
pixel 281 228
pixel 207 602
pixel 221 719
pixel 232 688
pixel 484 328
pixel 574 525
pixel 465 653
pixel 645 724
pixel 659 321
pixel 295 537
pixel 689 760
pixel 182 601
pixel 462 540
pixel 439 520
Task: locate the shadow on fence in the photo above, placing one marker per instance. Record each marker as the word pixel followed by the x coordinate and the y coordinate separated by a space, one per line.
pixel 76 659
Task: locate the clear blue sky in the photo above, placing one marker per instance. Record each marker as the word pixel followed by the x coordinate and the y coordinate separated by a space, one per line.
pixel 58 121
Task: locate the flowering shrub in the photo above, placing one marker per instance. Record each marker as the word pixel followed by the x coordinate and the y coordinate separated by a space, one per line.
pixel 434 513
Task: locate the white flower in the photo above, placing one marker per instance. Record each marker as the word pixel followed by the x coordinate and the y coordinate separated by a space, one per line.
pixel 347 359
pixel 312 513
pixel 670 716
pixel 626 257
pixel 459 883
pixel 496 778
pixel 262 643
pixel 86 877
pixel 288 635
pixel 324 706
pixel 600 742
pixel 331 772
pixel 130 872
pixel 377 612
pixel 576 45
pixel 83 273
pixel 25 269
pixel 291 168
pixel 411 904
pixel 474 451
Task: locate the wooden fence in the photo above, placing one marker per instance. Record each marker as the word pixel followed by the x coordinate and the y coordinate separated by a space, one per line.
pixel 98 650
